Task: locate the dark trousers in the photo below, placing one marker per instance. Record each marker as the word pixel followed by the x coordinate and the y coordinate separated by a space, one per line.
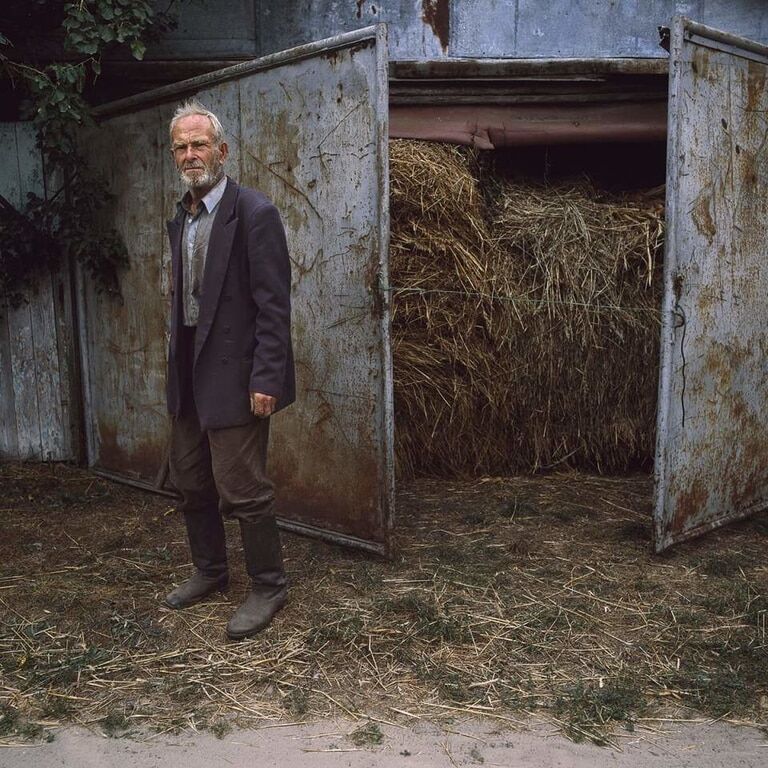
pixel 216 471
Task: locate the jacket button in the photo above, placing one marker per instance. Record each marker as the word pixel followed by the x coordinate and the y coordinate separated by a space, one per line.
pixel 227 329
pixel 224 360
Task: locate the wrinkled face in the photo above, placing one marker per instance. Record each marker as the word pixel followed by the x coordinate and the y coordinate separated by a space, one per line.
pixel 199 160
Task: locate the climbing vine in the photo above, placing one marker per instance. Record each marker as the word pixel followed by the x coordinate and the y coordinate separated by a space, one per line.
pixel 68 223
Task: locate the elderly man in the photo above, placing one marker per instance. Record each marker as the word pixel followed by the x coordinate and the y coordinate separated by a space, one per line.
pixel 230 368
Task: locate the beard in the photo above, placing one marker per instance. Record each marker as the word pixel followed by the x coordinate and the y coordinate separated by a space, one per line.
pixel 200 175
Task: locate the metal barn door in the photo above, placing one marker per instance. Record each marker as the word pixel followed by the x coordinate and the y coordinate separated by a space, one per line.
pixel 712 444
pixel 309 128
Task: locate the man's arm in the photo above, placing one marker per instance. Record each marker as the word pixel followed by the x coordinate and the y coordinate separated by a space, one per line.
pixel 270 276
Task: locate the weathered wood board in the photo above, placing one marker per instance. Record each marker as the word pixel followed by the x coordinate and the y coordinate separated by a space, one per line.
pixel 37 402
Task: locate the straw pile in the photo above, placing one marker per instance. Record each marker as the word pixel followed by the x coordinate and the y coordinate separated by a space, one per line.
pixel 525 320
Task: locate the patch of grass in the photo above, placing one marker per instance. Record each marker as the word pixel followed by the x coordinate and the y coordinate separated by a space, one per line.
pixel 367 576
pixel 587 711
pixel 450 684
pixel 368 735
pixel 182 691
pixel 115 725
pixel 724 565
pixel 9 718
pixel 13 724
pixel 296 702
pixel 154 555
pixel 220 728
pixel 429 622
pixel 56 708
pixel 722 692
pixel 62 669
pixel 132 631
pixel 338 630
pixel 736 598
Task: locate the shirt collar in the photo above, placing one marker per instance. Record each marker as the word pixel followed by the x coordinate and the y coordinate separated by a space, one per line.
pixel 211 200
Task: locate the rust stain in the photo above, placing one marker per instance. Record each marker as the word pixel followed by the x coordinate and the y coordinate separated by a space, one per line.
pixel 361 46
pixel 702 216
pixel 748 485
pixel 311 490
pixel 332 56
pixel 436 13
pixel 700 62
pixel 738 408
pixel 756 77
pixel 688 505
pixel 276 158
pixel 141 463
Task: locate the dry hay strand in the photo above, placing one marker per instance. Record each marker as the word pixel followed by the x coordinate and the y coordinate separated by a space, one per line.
pixel 517 312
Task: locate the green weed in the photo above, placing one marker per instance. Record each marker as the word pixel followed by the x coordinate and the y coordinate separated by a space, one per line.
pixel 588 710
pixel 368 735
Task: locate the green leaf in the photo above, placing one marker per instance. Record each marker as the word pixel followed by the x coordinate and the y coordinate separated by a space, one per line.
pixel 138 49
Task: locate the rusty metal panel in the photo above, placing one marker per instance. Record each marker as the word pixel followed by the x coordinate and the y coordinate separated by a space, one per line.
pixel 712 444
pixel 309 128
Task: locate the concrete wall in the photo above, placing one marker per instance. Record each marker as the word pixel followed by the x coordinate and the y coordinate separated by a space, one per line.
pixel 426 29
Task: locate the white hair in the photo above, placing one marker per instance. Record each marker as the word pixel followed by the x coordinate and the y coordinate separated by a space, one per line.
pixel 194 107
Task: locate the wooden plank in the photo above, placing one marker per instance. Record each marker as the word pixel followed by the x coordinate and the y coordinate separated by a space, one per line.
pixel 9 441
pixel 21 353
pixel 47 374
pixel 9 188
pixel 24 387
pixel 42 317
pixel 66 343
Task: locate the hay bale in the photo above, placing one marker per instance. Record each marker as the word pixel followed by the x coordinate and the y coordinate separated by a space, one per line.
pixel 588 271
pixel 440 261
pixel 525 329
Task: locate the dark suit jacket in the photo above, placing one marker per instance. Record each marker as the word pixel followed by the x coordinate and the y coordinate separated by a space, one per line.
pixel 243 339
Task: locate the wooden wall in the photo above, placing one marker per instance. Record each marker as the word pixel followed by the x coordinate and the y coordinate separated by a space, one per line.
pixel 39 403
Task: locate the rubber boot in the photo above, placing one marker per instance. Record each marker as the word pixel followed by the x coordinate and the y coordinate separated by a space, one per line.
pixel 264 563
pixel 207 544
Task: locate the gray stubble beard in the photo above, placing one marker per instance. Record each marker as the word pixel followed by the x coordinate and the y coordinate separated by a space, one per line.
pixel 208 178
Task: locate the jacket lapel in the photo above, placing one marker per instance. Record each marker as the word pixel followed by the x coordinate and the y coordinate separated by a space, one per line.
pixel 217 261
pixel 175 230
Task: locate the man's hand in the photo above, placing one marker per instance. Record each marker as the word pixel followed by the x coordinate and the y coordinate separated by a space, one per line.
pixel 262 405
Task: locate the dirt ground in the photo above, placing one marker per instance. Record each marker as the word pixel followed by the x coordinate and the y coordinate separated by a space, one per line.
pixel 507 599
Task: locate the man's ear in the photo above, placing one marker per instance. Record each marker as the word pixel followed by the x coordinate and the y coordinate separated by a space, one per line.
pixel 224 149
